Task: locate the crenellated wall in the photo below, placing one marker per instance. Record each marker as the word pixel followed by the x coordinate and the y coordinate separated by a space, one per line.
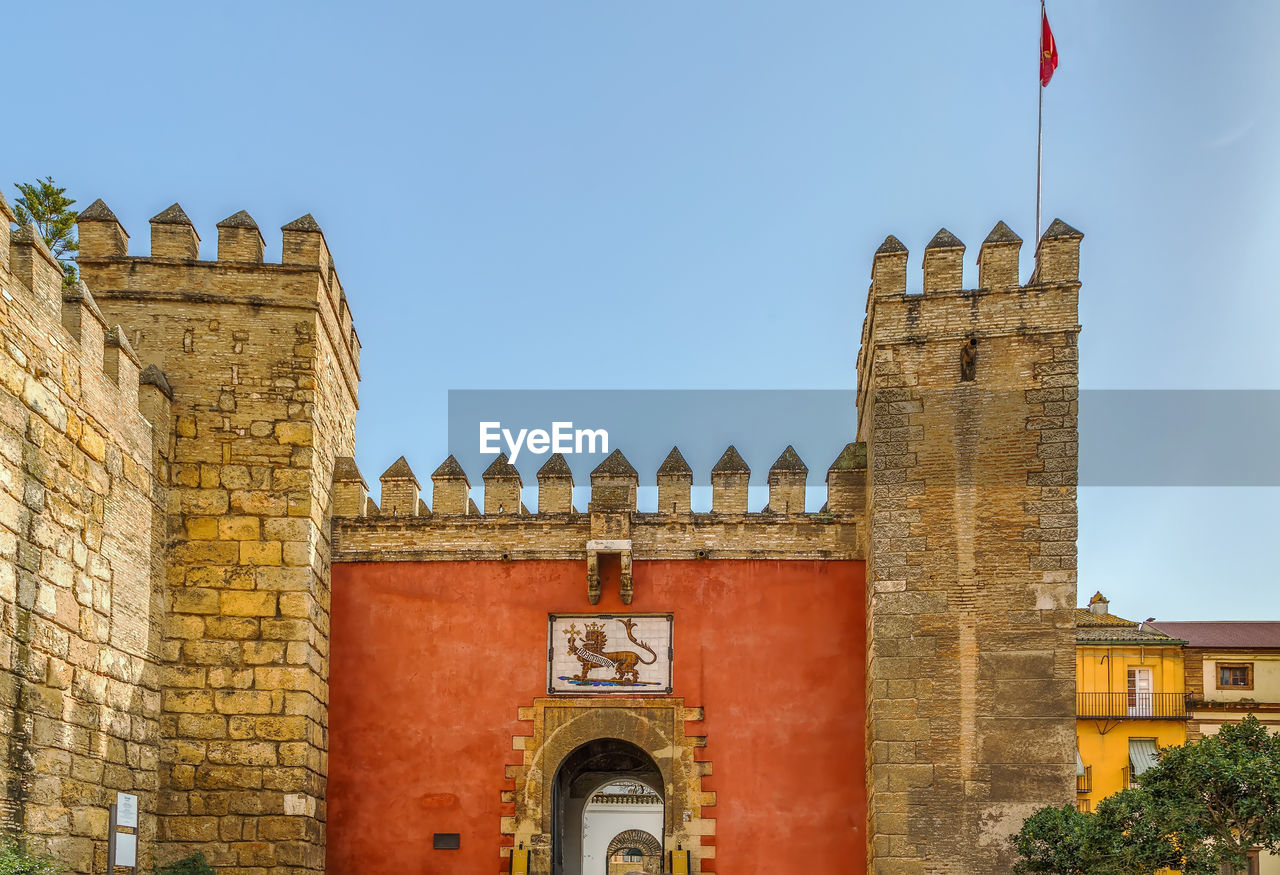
pixel 264 363
pixel 404 527
pixel 967 408
pixel 85 443
pixel 177 481
pixel 449 606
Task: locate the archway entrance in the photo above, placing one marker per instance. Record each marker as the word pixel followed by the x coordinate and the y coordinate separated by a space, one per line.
pixel 583 817
pixel 600 740
pixel 634 851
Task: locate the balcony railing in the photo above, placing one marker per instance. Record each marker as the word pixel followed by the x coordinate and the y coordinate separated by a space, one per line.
pixel 1149 706
pixel 1084 783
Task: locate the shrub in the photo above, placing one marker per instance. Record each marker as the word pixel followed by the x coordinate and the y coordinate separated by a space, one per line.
pixel 16 860
pixel 196 864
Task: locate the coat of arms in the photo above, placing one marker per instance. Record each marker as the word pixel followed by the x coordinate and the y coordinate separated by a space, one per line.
pixel 610 667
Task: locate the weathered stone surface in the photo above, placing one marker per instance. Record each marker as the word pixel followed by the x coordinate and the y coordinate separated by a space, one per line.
pixel 261 362
pixel 82 523
pixel 971 551
pixel 166 489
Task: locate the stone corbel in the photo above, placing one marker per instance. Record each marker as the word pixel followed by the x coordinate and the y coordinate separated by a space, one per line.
pixel 626 587
pixel 593 577
pixel 623 550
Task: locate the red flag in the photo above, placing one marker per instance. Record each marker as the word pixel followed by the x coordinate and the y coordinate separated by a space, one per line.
pixel 1048 50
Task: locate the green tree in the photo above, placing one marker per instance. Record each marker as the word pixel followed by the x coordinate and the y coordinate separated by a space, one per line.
pixel 1054 840
pixel 1204 804
pixel 46 204
pixel 1121 838
pixel 1127 838
pixel 1220 796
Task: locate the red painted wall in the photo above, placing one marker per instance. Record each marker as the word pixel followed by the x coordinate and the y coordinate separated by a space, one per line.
pixel 430 661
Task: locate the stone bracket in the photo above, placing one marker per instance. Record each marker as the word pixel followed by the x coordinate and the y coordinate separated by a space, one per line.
pixel 622 548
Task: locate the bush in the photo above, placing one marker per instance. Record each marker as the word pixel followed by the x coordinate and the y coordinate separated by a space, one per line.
pixel 16 860
pixel 196 864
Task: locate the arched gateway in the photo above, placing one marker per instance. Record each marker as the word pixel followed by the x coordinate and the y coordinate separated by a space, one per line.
pixel 634 850
pixel 583 772
pixel 578 746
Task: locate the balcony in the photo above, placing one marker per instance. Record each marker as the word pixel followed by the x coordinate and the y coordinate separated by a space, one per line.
pixel 1134 706
pixel 1084 783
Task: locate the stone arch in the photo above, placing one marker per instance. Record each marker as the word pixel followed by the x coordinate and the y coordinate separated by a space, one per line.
pixel 658 726
pixel 636 838
pixel 576 780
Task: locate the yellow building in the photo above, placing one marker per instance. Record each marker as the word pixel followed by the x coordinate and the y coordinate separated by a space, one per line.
pixel 1233 669
pixel 1130 699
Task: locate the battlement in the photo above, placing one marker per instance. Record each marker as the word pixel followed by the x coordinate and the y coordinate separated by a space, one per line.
pixel 305 278
pixel 997 303
pixel 1057 261
pixel 613 488
pixel 945 310
pixel 70 341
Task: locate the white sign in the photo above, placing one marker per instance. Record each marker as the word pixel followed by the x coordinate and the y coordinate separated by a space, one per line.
pixel 126 849
pixel 126 810
pixel 605 653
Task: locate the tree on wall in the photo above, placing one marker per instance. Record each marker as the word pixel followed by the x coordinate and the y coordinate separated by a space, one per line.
pixel 1204 805
pixel 45 204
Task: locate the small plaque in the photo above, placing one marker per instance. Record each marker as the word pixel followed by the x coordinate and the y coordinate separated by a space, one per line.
pixel 627 654
pixel 126 849
pixel 126 811
pixel 446 841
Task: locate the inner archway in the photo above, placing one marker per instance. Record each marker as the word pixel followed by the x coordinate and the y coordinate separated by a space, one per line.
pixel 603 764
pixel 634 850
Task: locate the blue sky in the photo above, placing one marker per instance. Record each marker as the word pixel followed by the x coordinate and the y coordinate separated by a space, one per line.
pixel 662 195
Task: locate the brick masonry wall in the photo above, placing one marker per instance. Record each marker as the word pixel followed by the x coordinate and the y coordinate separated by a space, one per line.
pixel 971 562
pixel 264 362
pixel 82 525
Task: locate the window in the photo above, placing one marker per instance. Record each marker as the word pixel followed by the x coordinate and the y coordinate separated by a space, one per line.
pixel 1252 870
pixel 1139 692
pixel 1235 675
pixel 1143 754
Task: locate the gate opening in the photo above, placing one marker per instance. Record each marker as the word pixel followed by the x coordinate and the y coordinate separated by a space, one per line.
pixel 602 789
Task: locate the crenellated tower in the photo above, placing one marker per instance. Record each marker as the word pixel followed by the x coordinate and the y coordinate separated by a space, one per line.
pixel 967 411
pixel 85 443
pixel 264 364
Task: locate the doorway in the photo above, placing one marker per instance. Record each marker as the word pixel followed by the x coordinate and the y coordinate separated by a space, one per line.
pixel 571 743
pixel 1139 692
pixel 603 788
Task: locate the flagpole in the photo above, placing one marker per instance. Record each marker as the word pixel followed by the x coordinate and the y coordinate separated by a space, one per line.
pixel 1039 121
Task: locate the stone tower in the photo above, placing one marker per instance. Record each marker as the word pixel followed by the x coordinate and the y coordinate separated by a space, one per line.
pixel 84 442
pixel 263 361
pixel 967 407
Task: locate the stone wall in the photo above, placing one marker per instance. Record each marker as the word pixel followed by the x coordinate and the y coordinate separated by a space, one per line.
pixel 166 489
pixel 82 527
pixel 967 407
pixel 264 361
